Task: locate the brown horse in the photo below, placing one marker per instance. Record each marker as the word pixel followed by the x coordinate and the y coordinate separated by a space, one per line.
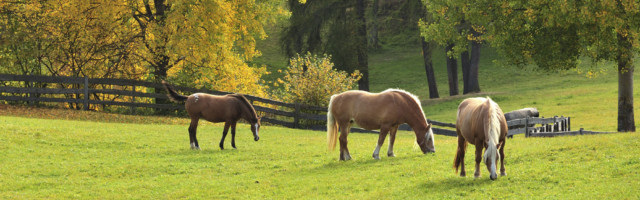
pixel 228 109
pixel 371 111
pixel 481 123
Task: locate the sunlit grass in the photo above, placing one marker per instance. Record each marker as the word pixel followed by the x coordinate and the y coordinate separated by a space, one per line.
pixel 49 158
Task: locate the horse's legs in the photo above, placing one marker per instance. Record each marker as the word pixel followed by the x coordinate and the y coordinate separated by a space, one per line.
pixel 479 147
pixel 344 151
pixel 224 134
pixel 503 171
pixel 462 148
pixel 192 134
pixel 384 130
pixel 233 135
pixel 392 139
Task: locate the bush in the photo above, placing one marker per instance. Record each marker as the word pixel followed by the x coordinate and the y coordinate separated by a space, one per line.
pixel 316 84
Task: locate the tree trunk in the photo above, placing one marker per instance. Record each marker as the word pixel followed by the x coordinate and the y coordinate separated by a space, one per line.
pixel 473 84
pixel 626 121
pixel 363 66
pixel 466 65
pixel 428 67
pixel 452 71
pixel 374 25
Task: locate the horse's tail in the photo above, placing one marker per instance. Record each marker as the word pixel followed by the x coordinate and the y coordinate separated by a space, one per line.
pixel 332 127
pixel 459 160
pixel 173 95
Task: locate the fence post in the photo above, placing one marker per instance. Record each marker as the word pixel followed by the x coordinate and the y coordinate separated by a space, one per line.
pixel 526 126
pixel 555 124
pixel 296 115
pixel 31 95
pixel 86 93
pixel 133 99
pixel 568 123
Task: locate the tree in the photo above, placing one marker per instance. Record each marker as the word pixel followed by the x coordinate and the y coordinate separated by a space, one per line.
pixel 428 67
pixel 363 57
pixel 553 34
pixel 426 54
pixel 452 71
pixel 195 43
pixel 449 27
pixel 206 42
pixel 72 38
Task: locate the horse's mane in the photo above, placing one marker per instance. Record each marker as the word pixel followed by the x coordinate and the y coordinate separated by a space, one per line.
pixel 493 131
pixel 412 96
pixel 246 103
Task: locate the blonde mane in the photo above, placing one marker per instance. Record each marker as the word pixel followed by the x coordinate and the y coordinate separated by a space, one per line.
pixel 493 131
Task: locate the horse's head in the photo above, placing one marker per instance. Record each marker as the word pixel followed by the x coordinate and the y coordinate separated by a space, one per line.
pixel 491 157
pixel 255 128
pixel 426 143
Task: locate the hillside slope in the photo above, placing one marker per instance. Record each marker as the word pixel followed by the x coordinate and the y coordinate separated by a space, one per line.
pixel 590 102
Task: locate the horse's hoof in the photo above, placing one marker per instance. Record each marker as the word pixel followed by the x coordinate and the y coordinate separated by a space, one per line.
pixel 503 173
pixel 391 155
pixel 377 157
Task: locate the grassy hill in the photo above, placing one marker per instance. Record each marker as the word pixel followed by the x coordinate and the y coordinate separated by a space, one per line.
pixel 590 102
pixel 62 154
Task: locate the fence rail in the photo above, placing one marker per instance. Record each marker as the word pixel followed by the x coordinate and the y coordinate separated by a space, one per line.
pixel 86 89
pixel 531 126
pixel 136 94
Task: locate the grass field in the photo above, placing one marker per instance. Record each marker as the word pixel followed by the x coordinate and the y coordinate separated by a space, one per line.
pixel 44 157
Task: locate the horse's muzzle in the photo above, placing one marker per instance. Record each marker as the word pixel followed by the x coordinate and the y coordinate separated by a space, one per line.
pixel 256 138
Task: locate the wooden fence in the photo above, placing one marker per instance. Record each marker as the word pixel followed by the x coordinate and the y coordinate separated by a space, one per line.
pixel 533 125
pixel 545 127
pixel 276 112
pixel 138 94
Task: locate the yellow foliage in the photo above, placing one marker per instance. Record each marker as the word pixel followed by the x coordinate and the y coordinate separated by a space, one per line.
pixel 316 84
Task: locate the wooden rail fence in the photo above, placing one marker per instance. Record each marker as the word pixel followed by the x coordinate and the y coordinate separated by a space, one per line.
pixel 138 94
pixel 533 125
pixel 545 127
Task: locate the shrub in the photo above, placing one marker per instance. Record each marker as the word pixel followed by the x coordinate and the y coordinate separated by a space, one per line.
pixel 312 80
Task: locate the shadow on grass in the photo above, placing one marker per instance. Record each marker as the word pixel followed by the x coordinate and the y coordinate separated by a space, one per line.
pixel 368 162
pixel 460 186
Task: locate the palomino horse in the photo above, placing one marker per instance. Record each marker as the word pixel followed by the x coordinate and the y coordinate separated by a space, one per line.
pixel 384 111
pixel 228 109
pixel 481 123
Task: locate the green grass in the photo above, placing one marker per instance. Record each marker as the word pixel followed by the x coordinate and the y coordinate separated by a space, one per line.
pixel 51 158
pixel 590 102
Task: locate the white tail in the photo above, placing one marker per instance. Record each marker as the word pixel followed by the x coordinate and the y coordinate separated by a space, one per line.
pixel 332 128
